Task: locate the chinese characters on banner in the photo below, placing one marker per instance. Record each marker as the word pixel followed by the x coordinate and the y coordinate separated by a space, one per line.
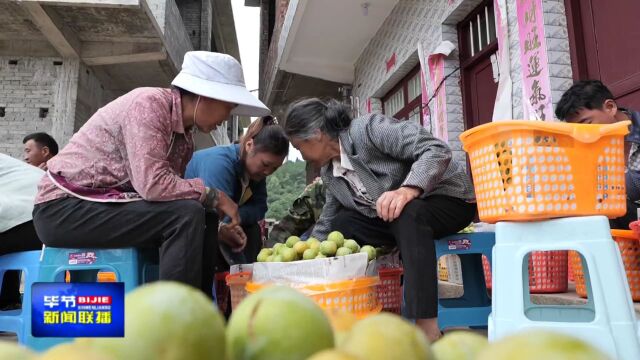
pixel 77 310
pixel 535 65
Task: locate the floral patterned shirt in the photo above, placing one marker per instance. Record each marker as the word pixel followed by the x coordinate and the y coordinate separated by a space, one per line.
pixel 134 148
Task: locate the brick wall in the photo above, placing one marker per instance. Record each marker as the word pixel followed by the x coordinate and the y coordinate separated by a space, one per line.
pixel 430 22
pixel 280 32
pixel 206 21
pixel 557 37
pixel 176 37
pixel 28 86
pixel 409 23
pixel 158 9
pixel 190 11
pixel 168 17
pixel 91 96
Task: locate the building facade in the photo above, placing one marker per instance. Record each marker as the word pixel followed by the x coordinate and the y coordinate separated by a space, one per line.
pixel 450 64
pixel 61 61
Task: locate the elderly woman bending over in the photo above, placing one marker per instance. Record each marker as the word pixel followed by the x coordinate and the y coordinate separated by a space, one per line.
pixel 388 182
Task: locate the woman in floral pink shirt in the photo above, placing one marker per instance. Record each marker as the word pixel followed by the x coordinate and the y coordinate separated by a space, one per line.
pixel 119 182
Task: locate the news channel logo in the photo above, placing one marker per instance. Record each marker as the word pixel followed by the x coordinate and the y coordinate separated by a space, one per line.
pixel 77 309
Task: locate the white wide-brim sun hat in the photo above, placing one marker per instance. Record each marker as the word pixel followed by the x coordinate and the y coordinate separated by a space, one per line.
pixel 218 76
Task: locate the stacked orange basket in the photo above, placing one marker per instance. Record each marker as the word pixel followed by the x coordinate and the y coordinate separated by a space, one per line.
pixel 530 170
pixel 533 170
pixel 629 246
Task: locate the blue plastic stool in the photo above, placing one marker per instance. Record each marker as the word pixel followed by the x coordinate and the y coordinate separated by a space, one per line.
pixel 131 266
pixel 607 321
pixel 19 321
pixel 474 307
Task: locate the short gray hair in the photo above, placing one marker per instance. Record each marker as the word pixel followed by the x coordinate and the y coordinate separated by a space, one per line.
pixel 305 117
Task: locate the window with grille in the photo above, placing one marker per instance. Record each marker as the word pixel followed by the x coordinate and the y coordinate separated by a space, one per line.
pixel 479 31
pixel 395 103
pixel 414 88
pixel 404 100
pixel 478 80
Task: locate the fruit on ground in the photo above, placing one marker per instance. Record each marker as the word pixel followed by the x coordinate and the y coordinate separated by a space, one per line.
pixel 292 240
pixel 352 244
pixel 277 323
pixel 343 251
pixel 300 247
pixel 276 248
pixel 386 336
pixel 333 354
pixel 459 345
pixel 341 321
pixel 166 320
pixel 310 254
pixel 72 351
pixel 336 237
pixel 328 248
pixel 289 254
pixel 264 254
pixel 313 243
pixel 538 344
pixel 11 350
pixel 370 251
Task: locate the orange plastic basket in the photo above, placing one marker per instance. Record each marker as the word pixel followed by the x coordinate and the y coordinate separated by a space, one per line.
pixel 629 250
pixel 528 170
pixel 578 274
pixel 222 291
pixel 486 266
pixel 547 272
pixel 570 274
pixel 390 289
pixel 356 296
pixel 237 283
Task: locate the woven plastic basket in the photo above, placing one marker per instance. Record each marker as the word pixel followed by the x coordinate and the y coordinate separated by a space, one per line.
pixel 237 287
pixel 528 170
pixel 390 289
pixel 356 296
pixel 547 272
pixel 629 246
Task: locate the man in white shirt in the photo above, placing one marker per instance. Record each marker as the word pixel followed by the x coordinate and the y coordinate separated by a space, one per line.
pixel 18 188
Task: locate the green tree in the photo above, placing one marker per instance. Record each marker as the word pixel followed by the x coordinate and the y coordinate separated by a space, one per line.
pixel 284 186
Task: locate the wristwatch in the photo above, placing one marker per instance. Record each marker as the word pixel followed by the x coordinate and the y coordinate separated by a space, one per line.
pixel 211 199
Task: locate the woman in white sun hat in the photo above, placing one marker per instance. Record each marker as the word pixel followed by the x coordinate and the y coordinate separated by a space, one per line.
pixel 119 182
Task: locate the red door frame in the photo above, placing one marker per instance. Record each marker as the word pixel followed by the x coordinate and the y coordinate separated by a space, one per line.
pixel 579 60
pixel 580 26
pixel 465 53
